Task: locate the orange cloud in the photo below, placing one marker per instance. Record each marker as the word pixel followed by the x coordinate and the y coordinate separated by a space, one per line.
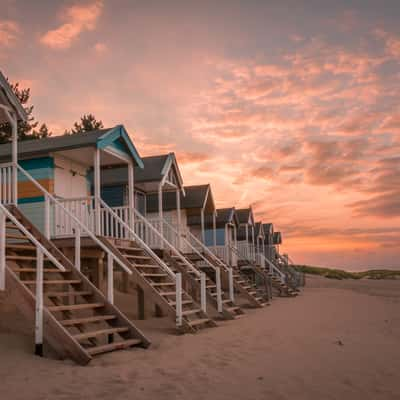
pixel 9 31
pixel 79 18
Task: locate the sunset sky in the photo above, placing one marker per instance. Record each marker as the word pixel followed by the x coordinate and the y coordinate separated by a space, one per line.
pixel 291 106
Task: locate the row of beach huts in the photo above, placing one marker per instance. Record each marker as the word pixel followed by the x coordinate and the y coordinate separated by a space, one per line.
pixel 84 217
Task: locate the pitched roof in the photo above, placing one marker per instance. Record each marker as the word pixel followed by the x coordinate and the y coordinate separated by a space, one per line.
pixel 244 214
pixel 9 99
pixel 268 228
pixel 226 215
pixel 97 138
pixel 277 238
pixel 154 170
pixel 258 229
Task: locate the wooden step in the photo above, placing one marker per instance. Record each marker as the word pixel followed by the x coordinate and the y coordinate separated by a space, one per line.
pixel 67 294
pixel 87 320
pixel 129 248
pixel 151 275
pixel 113 346
pixel 48 270
pixel 55 282
pixel 73 307
pixel 162 283
pixel 167 293
pixel 108 331
pixel 191 312
pixel 13 236
pixel 137 257
pixel 184 302
pixel 20 246
pixel 146 266
pixel 20 258
pixel 197 322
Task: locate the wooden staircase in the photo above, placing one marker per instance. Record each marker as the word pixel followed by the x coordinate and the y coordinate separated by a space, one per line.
pixel 282 289
pixel 158 284
pixel 79 323
pixel 229 309
pixel 255 296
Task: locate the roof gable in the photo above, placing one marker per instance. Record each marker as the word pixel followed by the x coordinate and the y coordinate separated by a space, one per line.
pixel 9 100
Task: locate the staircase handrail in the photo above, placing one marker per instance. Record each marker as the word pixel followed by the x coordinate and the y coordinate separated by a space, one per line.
pixel 207 250
pixel 82 227
pixel 169 226
pixel 137 237
pixel 31 237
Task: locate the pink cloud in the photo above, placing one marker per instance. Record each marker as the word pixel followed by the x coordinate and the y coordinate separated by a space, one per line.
pixel 79 18
pixel 9 31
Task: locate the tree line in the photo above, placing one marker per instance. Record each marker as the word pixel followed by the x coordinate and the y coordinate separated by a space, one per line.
pixel 31 129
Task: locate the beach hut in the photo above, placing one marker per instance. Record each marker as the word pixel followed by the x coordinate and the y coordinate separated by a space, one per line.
pixel 63 166
pixel 268 240
pixel 155 183
pixel 221 237
pixel 259 243
pixel 246 234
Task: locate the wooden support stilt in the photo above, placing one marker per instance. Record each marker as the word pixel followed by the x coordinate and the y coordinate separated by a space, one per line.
pixel 140 303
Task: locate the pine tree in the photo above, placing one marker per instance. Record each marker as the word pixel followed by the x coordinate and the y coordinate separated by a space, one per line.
pixel 26 130
pixel 87 123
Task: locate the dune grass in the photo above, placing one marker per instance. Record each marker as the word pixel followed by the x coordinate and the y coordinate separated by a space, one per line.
pixel 332 273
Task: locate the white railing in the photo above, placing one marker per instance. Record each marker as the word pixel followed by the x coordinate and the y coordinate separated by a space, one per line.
pixel 6 182
pixel 274 270
pixel 62 224
pixel 80 228
pixel 189 241
pixel 40 252
pixel 246 250
pixel 176 277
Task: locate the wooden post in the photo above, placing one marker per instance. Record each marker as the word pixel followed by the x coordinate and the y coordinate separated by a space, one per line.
pixel 214 228
pixel 140 303
pixel 110 278
pixel 178 209
pixel 131 194
pixel 160 213
pixel 203 235
pixel 203 298
pixel 47 216
pixel 77 256
pixel 14 150
pixel 2 251
pixel 219 290
pixel 39 304
pixel 178 299
pixel 97 190
pixel 231 289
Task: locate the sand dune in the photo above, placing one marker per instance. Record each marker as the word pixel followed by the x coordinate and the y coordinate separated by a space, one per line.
pixel 337 340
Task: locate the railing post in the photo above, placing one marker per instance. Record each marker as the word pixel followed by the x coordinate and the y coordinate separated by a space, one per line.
pixel 77 258
pixel 2 251
pixel 219 291
pixel 39 304
pixel 203 298
pixel 178 301
pixel 231 288
pixel 47 216
pixel 110 278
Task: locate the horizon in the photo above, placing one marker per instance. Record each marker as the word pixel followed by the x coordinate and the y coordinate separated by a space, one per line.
pixel 295 113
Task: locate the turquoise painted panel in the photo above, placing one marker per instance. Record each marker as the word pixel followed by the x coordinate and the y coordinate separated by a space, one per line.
pixel 209 237
pixel 39 168
pixel 120 147
pixel 113 196
pixel 31 200
pixel 119 132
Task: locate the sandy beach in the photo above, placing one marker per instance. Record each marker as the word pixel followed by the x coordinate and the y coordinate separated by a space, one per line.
pixel 337 340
